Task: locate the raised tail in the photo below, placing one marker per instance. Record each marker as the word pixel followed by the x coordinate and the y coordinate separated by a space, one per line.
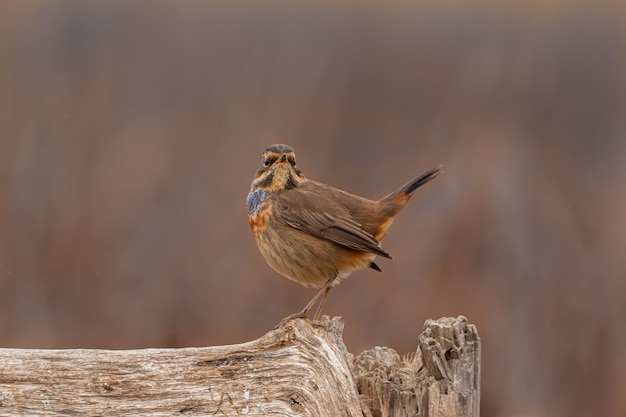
pixel 403 193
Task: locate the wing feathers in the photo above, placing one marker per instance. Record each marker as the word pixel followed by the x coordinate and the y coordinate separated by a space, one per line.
pixel 301 211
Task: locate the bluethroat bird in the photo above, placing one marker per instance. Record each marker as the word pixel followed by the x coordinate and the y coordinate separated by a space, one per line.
pixel 315 234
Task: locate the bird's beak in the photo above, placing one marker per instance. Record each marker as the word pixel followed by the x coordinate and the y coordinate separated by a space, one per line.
pixel 283 157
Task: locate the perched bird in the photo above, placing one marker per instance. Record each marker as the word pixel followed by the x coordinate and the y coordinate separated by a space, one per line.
pixel 315 234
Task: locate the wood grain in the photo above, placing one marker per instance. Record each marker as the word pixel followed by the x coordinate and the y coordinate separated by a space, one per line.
pixel 297 369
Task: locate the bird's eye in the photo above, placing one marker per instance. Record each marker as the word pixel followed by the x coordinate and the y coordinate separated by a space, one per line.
pixel 292 161
pixel 266 162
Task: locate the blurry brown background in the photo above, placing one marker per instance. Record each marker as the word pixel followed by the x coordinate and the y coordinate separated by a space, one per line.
pixel 130 132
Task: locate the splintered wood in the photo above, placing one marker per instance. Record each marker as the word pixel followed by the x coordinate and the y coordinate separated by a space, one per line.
pixel 297 369
pixel 441 379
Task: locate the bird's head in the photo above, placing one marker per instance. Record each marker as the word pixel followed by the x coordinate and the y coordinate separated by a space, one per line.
pixel 278 171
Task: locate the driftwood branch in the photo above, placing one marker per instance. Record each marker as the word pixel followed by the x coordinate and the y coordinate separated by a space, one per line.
pixel 297 369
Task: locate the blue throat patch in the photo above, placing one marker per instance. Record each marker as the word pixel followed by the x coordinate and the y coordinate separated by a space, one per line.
pixel 255 200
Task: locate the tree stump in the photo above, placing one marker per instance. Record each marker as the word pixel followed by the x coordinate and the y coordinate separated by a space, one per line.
pixel 441 379
pixel 297 369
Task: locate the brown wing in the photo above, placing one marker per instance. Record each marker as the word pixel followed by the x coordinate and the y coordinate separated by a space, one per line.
pixel 321 215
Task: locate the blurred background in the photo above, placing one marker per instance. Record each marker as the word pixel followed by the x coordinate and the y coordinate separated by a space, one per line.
pixel 130 132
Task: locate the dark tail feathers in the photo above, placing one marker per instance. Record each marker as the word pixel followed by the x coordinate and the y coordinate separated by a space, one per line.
pixel 413 185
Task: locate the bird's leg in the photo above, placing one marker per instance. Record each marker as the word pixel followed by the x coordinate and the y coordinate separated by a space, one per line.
pixel 323 291
pixel 318 313
pixel 302 314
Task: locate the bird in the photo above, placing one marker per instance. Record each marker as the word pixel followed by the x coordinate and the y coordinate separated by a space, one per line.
pixel 316 234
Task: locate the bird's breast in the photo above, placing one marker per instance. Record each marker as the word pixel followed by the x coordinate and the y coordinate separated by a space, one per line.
pixel 259 209
pixel 256 200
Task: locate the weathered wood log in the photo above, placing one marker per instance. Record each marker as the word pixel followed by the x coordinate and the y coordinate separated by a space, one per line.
pixel 441 379
pixel 297 369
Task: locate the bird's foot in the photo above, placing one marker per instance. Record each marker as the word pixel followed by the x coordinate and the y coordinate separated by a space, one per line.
pixel 298 315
